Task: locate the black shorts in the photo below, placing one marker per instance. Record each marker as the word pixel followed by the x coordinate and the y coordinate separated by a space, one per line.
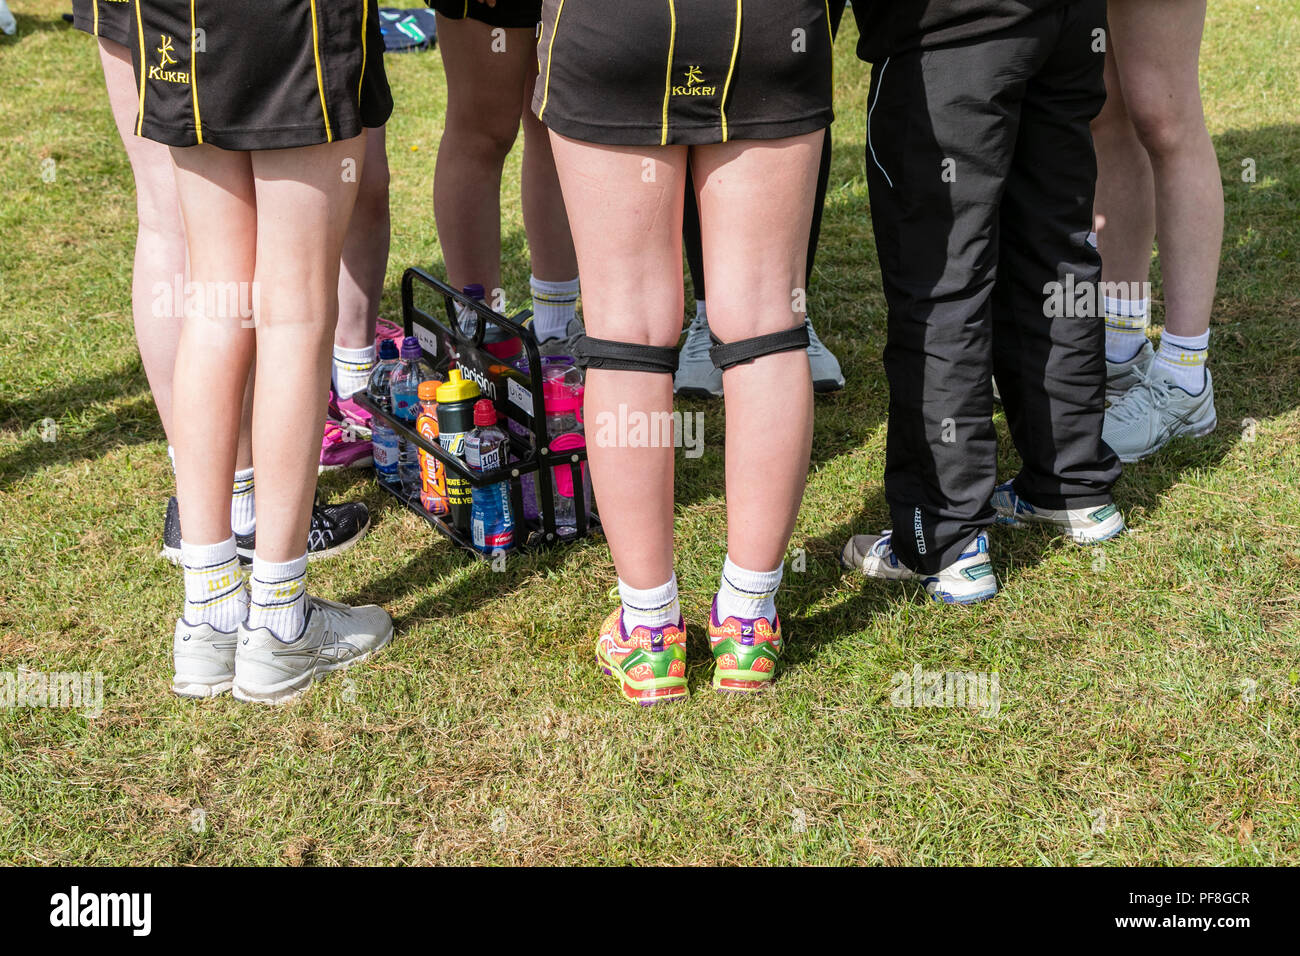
pixel 661 72
pixel 510 14
pixel 110 19
pixel 259 74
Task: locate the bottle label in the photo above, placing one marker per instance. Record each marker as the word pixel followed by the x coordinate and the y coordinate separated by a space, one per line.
pixel 433 476
pixel 405 406
pixel 453 442
pixel 384 451
pixel 498 538
pixel 482 457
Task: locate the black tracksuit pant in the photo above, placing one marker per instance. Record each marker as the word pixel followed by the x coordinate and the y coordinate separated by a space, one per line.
pixel 981 171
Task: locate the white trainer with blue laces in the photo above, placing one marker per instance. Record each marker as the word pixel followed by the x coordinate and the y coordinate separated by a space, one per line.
pixel 967 580
pixel 1084 525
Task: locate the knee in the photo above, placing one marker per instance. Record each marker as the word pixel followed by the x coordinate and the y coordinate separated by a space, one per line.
pixel 1165 127
pixel 482 136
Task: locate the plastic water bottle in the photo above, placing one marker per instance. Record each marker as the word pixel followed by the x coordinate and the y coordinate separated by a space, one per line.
pixel 384 439
pixel 407 377
pixel 497 342
pixel 492 521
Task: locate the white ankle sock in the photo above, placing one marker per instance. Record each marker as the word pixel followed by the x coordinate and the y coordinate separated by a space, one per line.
pixel 243 515
pixel 748 594
pixel 1181 359
pixel 352 368
pixel 171 457
pixel 214 586
pixel 1126 327
pixel 278 596
pixel 554 305
pixel 650 607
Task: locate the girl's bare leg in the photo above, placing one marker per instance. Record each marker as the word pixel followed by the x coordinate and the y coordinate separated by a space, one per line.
pixel 550 245
pixel 625 209
pixel 756 201
pixel 303 203
pixel 1157 48
pixel 365 250
pixel 216 346
pixel 160 256
pixel 1125 207
pixel 484 94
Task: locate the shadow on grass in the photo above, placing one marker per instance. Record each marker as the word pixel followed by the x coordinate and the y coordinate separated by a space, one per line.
pixel 29 23
pixel 130 422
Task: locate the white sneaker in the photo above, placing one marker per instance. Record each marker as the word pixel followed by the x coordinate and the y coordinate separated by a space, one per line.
pixel 1083 525
pixel 697 376
pixel 826 373
pixel 1122 376
pixel 204 659
pixel 334 637
pixel 1154 411
pixel 967 580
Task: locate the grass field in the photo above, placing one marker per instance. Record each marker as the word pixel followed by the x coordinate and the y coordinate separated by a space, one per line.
pixel 1150 695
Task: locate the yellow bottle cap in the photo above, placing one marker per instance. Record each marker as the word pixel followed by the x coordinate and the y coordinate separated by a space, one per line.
pixel 457 388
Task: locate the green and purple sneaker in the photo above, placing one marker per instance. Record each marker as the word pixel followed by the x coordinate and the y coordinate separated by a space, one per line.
pixel 745 651
pixel 649 664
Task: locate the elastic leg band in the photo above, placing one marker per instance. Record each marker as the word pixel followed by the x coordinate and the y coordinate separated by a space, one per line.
pixel 725 355
pixel 624 356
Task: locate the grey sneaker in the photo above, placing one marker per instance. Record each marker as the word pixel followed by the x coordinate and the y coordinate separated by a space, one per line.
pixel 565 343
pixel 1122 376
pixel 1083 525
pixel 1155 411
pixel 334 637
pixel 204 659
pixel 697 377
pixel 826 373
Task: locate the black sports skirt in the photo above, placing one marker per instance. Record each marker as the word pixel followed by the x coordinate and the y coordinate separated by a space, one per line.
pixel 660 72
pixel 110 19
pixel 507 13
pixel 258 74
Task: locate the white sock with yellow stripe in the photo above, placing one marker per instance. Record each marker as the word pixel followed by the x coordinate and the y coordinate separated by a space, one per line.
pixel 554 306
pixel 650 607
pixel 243 515
pixel 1181 360
pixel 1126 327
pixel 214 586
pixel 748 594
pixel 352 368
pixel 278 596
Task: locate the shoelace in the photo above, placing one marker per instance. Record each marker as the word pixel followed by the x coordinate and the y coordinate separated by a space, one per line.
pixel 1137 404
pixel 698 342
pixel 814 343
pixel 322 519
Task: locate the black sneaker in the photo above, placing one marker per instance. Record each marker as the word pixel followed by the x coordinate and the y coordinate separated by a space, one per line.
pixel 334 529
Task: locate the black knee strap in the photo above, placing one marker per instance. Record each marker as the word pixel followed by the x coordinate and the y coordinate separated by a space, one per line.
pixel 624 356
pixel 725 355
